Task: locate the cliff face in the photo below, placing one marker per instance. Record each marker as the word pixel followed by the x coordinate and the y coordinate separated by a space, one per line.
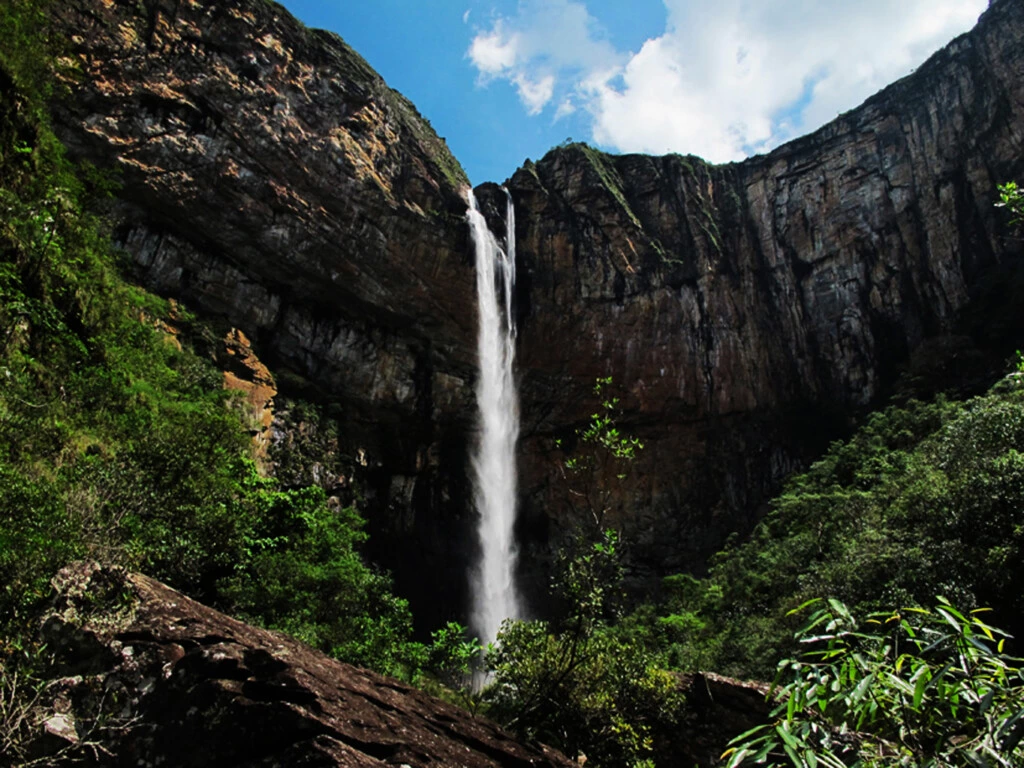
pixel 272 180
pixel 275 183
pixel 745 310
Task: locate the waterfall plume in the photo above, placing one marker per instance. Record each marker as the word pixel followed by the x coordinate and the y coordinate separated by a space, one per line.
pixel 495 597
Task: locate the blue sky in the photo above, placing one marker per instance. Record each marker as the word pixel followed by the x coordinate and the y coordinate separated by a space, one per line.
pixel 506 80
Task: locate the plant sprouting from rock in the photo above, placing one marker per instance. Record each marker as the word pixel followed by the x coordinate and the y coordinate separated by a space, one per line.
pixel 603 453
pixel 1011 197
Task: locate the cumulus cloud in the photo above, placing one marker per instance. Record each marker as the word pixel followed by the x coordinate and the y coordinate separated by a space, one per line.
pixel 565 108
pixel 535 95
pixel 548 46
pixel 726 78
pixel 494 52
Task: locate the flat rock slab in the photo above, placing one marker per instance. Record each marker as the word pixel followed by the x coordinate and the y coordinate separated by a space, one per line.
pixel 189 687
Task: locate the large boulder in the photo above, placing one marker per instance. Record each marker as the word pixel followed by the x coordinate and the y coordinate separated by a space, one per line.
pixel 144 676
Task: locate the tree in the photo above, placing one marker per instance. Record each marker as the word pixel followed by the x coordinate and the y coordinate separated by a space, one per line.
pixel 602 453
pixel 577 683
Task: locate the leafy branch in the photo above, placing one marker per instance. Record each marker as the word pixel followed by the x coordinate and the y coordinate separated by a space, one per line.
pixel 603 450
pixel 911 687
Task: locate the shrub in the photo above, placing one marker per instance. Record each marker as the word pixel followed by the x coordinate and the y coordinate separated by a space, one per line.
pixel 911 687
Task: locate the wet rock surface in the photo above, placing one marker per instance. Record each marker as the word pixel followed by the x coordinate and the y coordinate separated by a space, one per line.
pixel 172 682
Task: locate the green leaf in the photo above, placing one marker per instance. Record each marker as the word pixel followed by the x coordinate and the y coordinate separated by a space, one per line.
pixel 745 736
pixel 800 608
pixel 923 678
pixel 861 689
pixel 949 618
pixel 792 755
pixel 786 736
pixel 986 702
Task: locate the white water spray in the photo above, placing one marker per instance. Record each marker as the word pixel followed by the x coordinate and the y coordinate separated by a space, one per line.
pixel 495 597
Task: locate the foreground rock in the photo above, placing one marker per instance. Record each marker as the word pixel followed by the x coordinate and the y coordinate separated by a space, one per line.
pixel 149 677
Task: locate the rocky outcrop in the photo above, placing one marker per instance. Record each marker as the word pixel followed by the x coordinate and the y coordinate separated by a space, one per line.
pixel 718 710
pixel 245 374
pixel 745 311
pixel 145 676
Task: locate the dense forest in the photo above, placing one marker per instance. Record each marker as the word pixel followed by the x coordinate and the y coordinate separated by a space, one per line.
pixel 119 443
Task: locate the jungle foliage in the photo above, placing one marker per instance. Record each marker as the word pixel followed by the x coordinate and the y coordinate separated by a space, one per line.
pixel 924 687
pixel 578 684
pixel 117 439
pixel 925 499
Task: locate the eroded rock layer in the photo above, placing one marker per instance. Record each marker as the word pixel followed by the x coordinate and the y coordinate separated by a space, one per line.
pixel 273 181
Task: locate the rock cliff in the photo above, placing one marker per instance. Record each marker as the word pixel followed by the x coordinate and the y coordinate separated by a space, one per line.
pixel 273 182
pixel 745 311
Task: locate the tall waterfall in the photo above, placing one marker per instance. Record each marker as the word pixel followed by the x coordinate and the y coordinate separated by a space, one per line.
pixel 495 597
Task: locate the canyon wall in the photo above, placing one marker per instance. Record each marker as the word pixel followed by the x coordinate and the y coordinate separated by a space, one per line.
pixel 273 182
pixel 744 312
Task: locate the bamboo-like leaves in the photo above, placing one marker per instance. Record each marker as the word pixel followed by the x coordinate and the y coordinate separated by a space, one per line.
pixel 930 688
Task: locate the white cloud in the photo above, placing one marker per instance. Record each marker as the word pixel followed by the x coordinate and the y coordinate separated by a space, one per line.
pixel 565 108
pixel 535 95
pixel 494 52
pixel 548 42
pixel 726 78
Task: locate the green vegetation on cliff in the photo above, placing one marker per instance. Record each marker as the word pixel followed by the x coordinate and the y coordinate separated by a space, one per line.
pixel 117 439
pixel 925 499
pixel 577 683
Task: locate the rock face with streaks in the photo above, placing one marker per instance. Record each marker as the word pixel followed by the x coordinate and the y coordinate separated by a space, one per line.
pixel 274 183
pixel 745 312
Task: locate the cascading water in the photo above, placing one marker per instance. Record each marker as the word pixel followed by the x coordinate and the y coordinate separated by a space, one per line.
pixel 495 597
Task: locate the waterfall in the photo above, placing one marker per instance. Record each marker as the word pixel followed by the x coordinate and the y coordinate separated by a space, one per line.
pixel 495 597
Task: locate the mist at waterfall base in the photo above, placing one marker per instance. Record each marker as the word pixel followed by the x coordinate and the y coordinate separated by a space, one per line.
pixel 492 581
